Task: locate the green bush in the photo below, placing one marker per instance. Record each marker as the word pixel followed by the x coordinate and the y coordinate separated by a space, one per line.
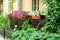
pixel 4 21
pixel 4 25
pixel 28 33
pixel 32 34
pixel 53 26
pixel 26 25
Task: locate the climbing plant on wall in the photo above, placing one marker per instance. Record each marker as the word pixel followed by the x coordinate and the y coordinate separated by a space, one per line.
pixel 53 15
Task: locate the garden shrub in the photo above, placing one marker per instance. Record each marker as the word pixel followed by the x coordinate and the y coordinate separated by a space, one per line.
pixel 53 26
pixel 28 33
pixel 32 34
pixel 5 26
pixel 26 25
pixel 4 21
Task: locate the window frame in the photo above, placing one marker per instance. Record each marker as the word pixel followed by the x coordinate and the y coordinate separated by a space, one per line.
pixel 35 5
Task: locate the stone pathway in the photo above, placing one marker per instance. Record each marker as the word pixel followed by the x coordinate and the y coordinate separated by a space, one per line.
pixel 1 38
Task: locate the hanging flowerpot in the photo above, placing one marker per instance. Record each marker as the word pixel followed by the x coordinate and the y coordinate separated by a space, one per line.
pixel 36 17
pixel 35 14
pixel 17 18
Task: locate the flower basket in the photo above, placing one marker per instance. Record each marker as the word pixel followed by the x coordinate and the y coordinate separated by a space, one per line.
pixel 17 18
pixel 36 17
pixel 35 14
pixel 17 22
pixel 35 21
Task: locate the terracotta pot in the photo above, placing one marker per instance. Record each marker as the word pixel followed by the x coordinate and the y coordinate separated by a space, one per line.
pixel 36 17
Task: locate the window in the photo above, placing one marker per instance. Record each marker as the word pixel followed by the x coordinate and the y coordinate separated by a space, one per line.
pixel 20 4
pixel 1 6
pixel 35 5
pixel 11 5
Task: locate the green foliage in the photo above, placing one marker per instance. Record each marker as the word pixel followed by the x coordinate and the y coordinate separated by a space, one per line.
pixel 26 24
pixel 13 1
pixel 32 34
pixel 28 33
pixel 50 29
pixel 53 15
pixel 4 21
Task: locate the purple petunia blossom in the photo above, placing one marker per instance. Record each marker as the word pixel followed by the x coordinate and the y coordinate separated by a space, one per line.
pixel 19 14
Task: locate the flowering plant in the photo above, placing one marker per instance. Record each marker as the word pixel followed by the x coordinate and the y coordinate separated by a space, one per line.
pixel 34 13
pixel 19 14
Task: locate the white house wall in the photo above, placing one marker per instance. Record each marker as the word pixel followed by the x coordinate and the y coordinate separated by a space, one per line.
pixel 5 7
pixel 27 5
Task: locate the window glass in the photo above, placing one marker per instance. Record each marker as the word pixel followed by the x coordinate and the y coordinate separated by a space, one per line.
pixel 20 4
pixel 11 5
pixel 35 4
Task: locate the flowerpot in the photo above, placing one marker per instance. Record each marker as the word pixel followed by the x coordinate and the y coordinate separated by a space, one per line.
pixel 36 17
pixel 43 16
pixel 35 22
pixel 17 22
